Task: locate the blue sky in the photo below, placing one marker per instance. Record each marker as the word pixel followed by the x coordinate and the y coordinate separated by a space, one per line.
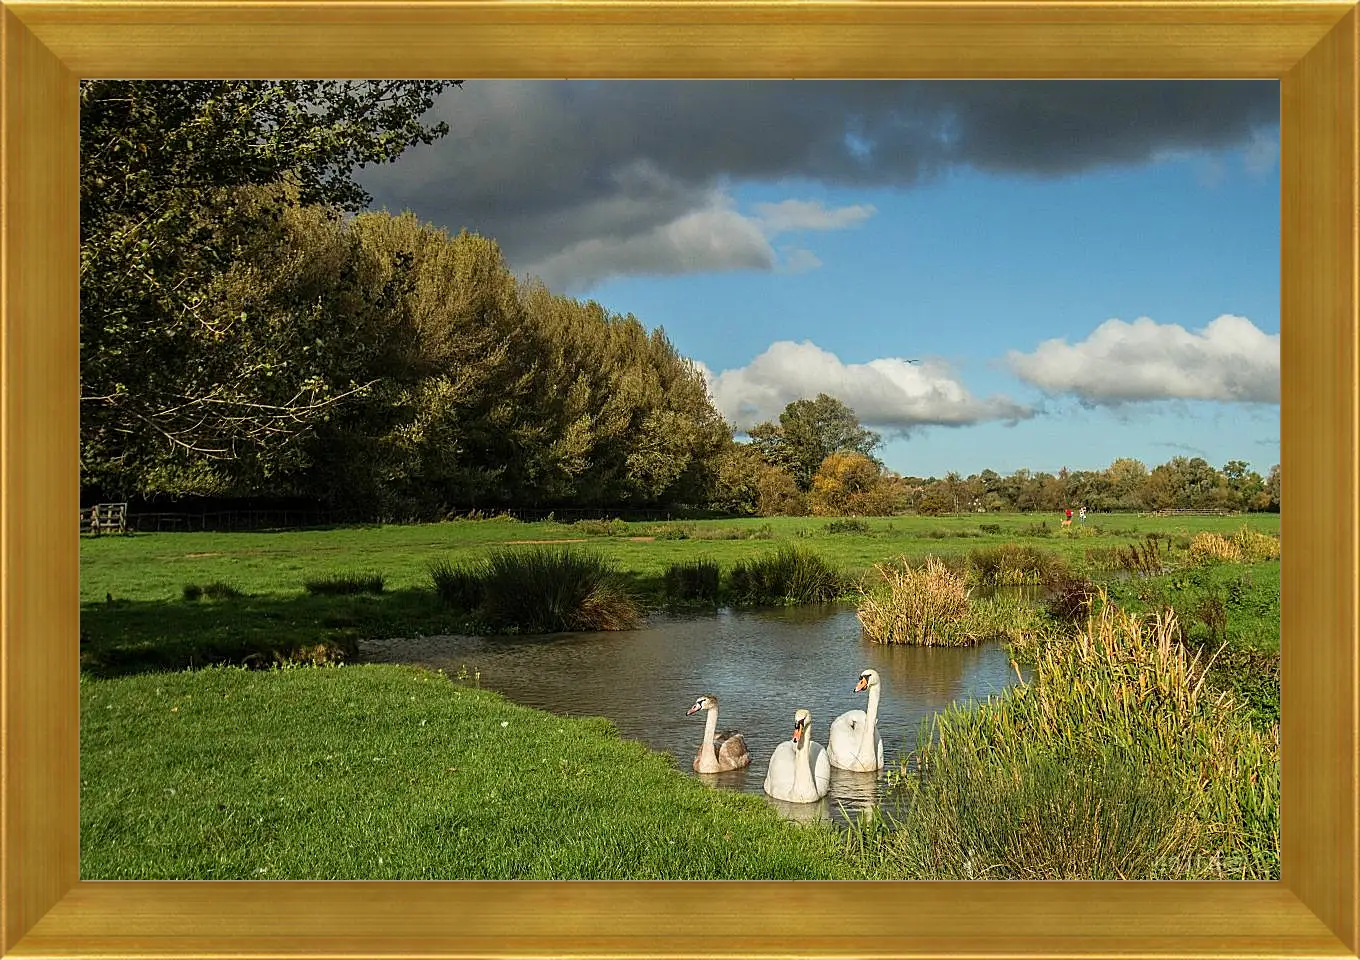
pixel 793 238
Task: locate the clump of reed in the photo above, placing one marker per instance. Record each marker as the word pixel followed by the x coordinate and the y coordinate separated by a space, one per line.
pixel 537 591
pixel 989 528
pixel 217 590
pixel 548 591
pixel 1052 817
pixel 926 605
pixel 459 585
pixel 1005 618
pixel 1143 558
pixel 1041 529
pixel 1119 692
pixel 692 582
pixel 790 575
pixel 847 525
pixel 1014 564
pixel 340 584
pixel 1207 548
pixel 1104 558
pixel 1254 547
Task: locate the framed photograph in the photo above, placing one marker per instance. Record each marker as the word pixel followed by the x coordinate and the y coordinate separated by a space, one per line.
pixel 1312 49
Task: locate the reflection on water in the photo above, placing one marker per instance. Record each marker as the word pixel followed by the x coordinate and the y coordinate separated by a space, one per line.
pixel 762 666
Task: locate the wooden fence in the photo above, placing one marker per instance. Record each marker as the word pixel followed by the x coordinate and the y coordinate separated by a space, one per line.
pixel 104 518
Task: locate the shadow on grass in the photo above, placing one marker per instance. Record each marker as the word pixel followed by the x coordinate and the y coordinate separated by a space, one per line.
pixel 133 636
pixel 122 637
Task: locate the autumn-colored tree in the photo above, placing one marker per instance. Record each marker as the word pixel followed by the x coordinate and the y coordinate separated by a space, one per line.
pixel 850 484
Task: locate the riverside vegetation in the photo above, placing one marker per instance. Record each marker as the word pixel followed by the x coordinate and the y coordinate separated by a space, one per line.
pixel 1145 744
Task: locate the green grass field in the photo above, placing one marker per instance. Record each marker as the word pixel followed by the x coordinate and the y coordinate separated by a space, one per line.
pixel 152 567
pixel 382 772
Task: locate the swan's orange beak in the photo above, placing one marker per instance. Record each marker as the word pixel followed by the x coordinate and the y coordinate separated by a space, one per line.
pixel 862 685
pixel 692 709
pixel 797 732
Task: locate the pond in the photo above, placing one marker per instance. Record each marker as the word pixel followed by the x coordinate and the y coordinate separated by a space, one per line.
pixel 762 665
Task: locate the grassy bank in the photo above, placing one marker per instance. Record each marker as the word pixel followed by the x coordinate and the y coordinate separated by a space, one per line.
pixel 386 773
pixel 366 771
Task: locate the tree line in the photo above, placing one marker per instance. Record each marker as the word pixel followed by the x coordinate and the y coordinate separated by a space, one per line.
pixel 247 331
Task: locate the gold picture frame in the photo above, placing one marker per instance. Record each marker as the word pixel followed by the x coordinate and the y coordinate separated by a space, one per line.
pixel 1311 47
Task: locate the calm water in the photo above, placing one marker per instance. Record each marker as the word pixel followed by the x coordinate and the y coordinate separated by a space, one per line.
pixel 762 665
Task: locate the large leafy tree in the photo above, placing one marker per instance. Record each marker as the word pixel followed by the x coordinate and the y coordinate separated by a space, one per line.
pixel 162 167
pixel 808 432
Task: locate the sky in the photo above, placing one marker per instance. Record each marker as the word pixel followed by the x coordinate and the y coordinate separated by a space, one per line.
pixel 992 274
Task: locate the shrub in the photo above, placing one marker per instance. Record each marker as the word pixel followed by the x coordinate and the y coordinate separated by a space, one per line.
pixel 847 525
pixel 217 590
pixel 1255 547
pixel 548 591
pixel 192 592
pixel 1012 564
pixel 789 575
pixel 458 585
pixel 989 528
pixel 927 605
pixel 345 583
pixel 1207 548
pixel 696 581
pixel 1037 530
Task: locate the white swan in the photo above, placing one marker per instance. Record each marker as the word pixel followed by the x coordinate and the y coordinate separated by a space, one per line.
pixel 854 743
pixel 799 770
pixel 718 752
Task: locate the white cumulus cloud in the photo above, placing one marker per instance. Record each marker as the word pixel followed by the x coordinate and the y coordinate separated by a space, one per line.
pixel 1230 359
pixel 888 393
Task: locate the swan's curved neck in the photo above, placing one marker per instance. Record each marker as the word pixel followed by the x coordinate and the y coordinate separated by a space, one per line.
pixel 711 725
pixel 871 713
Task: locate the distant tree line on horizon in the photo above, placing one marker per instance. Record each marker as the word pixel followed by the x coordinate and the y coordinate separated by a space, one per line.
pixel 247 332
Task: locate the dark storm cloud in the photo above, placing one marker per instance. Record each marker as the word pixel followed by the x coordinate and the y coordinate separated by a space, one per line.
pixel 589 178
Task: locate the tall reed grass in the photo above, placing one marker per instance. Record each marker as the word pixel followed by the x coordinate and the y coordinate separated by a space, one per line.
pixel 459 585
pixel 790 575
pixel 1206 548
pixel 548 591
pixel 1117 693
pixel 695 581
pixel 341 584
pixel 926 605
pixel 1014 564
pixel 1254 546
